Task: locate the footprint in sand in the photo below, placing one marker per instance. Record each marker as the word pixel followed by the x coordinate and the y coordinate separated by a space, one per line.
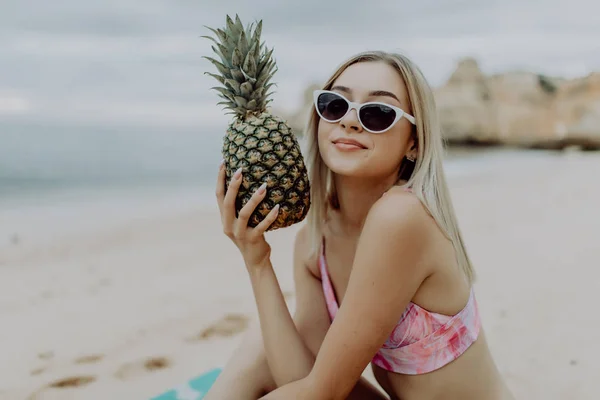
pixel 89 359
pixel 37 371
pixel 229 325
pixel 46 355
pixel 137 368
pixel 65 383
pixel 72 382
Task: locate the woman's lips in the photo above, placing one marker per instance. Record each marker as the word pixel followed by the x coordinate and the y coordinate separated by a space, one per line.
pixel 348 144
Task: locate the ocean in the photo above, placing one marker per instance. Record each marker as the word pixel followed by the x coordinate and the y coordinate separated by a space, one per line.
pixel 47 163
pixel 41 160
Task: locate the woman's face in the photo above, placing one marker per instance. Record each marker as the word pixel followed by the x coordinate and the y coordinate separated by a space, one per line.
pixel 377 154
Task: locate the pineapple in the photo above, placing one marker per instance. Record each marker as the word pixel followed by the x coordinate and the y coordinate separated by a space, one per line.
pixel 262 144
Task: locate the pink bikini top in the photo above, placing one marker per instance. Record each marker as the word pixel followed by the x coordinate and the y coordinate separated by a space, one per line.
pixel 422 341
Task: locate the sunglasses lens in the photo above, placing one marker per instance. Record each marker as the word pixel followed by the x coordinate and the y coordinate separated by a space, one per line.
pixel 331 106
pixel 377 117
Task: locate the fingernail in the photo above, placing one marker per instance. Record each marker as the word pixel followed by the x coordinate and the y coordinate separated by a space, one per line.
pixel 276 208
pixel 222 164
pixel 238 173
pixel 262 188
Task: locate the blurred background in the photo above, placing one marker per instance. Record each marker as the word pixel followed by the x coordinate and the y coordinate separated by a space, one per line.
pixel 115 281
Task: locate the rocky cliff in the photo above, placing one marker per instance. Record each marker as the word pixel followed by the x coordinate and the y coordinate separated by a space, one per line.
pixel 519 108
pixel 516 108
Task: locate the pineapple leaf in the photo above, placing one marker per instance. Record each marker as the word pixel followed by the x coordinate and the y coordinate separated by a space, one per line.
pixel 236 60
pixel 257 94
pixel 222 69
pixel 255 51
pixel 237 75
pixel 248 77
pixel 250 65
pixel 226 54
pixel 240 101
pixel 238 25
pixel 264 78
pixel 246 66
pixel 242 44
pixel 218 32
pixel 217 77
pixel 249 27
pixel 230 25
pixel 252 53
pixel 225 92
pixel 230 43
pixel 269 86
pixel 220 54
pixel 266 60
pixel 246 89
pixel 228 101
pixel 234 85
pixel 257 32
pixel 210 38
pixel 252 105
pixel 268 70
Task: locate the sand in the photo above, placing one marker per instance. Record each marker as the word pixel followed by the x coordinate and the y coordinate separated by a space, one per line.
pixel 125 302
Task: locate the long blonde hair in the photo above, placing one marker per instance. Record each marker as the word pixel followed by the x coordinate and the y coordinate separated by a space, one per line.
pixel 427 178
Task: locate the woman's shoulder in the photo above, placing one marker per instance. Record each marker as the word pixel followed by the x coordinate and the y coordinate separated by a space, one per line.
pixel 401 209
pixel 399 216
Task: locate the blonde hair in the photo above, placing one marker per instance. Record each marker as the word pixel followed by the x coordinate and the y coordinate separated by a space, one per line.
pixel 427 178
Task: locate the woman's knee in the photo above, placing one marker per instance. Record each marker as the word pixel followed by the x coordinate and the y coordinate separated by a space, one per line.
pixel 246 374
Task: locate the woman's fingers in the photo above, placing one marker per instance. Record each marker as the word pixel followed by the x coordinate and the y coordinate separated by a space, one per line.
pixel 228 211
pixel 248 209
pixel 261 228
pixel 238 227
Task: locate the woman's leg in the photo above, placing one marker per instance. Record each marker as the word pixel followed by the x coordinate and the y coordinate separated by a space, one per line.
pixel 364 390
pixel 246 376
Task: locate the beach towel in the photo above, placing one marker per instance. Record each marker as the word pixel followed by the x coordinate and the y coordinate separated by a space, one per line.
pixel 194 389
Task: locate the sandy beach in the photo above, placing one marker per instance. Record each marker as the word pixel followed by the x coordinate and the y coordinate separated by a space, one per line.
pixel 126 300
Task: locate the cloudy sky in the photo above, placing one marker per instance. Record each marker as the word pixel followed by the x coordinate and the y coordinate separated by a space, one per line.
pixel 138 62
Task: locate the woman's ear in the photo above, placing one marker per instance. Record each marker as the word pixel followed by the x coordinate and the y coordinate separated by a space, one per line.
pixel 413 150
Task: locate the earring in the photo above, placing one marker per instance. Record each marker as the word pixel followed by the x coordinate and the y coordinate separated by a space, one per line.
pixel 410 157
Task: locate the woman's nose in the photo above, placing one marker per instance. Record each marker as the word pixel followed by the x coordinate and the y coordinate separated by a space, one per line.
pixel 350 121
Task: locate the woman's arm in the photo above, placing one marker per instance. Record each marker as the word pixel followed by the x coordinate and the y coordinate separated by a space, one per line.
pixel 290 358
pixel 389 266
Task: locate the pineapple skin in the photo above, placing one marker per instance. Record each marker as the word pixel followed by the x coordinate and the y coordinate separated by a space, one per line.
pixel 266 149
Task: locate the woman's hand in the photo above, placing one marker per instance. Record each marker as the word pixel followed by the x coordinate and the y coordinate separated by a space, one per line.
pixel 250 241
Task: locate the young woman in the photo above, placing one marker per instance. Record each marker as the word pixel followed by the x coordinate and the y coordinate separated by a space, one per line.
pixel 381 272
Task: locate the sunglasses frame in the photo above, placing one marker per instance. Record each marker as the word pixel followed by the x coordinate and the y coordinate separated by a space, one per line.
pixel 357 106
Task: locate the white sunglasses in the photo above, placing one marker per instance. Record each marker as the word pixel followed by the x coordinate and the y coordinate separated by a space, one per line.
pixel 375 117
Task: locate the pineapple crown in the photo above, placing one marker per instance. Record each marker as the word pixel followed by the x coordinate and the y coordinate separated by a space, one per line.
pixel 245 68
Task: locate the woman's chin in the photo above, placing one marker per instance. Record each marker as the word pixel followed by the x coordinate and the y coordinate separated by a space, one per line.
pixel 357 169
pixel 352 166
pixel 348 169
